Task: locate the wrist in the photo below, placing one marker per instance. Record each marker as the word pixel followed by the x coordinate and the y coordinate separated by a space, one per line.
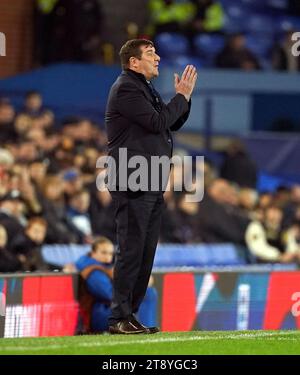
pixel 187 97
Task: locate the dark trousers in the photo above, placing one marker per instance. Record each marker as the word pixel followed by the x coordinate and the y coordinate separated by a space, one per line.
pixel 138 218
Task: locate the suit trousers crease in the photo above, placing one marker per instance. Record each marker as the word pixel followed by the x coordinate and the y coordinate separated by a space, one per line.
pixel 138 218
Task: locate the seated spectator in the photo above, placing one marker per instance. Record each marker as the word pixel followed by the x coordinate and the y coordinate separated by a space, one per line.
pixel 219 219
pixel 33 105
pixel 238 167
pixel 235 55
pixel 101 212
pixel 77 212
pixel 29 242
pixel 208 18
pixel 8 261
pixel 248 199
pixel 168 228
pixel 7 116
pixel 265 239
pixel 291 210
pixel 72 182
pixel 96 269
pixel 9 214
pixel 282 57
pixel 168 16
pixel 186 219
pixel 60 229
pixel 291 238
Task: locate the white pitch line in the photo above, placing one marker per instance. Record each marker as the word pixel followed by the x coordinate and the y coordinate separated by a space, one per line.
pixel 268 335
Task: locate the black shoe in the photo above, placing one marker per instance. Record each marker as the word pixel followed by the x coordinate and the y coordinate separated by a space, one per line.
pixel 141 326
pixel 126 327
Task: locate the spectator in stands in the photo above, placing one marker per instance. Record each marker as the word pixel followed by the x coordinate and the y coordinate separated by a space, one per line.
pixel 266 242
pixel 8 261
pixel 265 199
pixel 72 182
pixel 28 242
pixel 7 115
pixel 219 219
pixel 96 269
pixel 38 172
pixel 248 202
pixel 208 18
pixel 168 229
pixel 60 229
pixel 292 208
pixel 282 57
pixel 235 55
pixel 291 237
pixel 78 213
pixel 9 214
pixel 238 167
pixel 75 31
pixel 100 211
pixel 169 16
pixel 43 16
pixel 186 219
pixel 33 105
pixel 281 197
pixel 20 181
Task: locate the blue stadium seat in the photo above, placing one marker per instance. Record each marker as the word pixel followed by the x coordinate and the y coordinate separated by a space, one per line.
pixel 208 45
pixel 255 5
pixel 180 62
pixel 259 45
pixel 171 44
pixel 260 24
pixel 286 23
pixel 235 18
pixel 277 4
pixel 197 255
pixel 59 255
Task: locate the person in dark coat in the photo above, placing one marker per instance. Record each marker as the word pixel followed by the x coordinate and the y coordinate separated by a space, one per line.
pixel 138 120
pixel 28 243
pixel 235 55
pixel 238 167
pixel 8 214
pixel 8 261
pixel 220 221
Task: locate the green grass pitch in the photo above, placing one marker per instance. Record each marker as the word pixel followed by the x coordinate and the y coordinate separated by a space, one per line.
pixel 195 342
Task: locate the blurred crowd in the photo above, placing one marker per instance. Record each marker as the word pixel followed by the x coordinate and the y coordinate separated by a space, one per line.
pixel 48 194
pixel 73 31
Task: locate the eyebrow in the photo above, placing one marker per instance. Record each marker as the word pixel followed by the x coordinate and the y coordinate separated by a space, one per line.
pixel 150 50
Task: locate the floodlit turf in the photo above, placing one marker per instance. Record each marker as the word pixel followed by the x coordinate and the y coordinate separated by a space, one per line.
pixel 196 342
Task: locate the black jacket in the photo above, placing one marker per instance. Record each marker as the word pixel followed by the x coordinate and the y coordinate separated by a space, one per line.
pixel 137 119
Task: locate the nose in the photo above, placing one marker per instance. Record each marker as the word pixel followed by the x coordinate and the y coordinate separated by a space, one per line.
pixel 157 58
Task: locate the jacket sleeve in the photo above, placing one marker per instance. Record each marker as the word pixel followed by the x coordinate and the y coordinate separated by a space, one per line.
pixel 180 122
pixel 258 245
pixel 99 285
pixel 132 104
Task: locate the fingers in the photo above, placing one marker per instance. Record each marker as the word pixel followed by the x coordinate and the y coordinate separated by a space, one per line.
pixel 185 72
pixel 176 79
pixel 189 73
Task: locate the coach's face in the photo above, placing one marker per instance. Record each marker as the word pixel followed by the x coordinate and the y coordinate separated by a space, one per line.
pixel 148 63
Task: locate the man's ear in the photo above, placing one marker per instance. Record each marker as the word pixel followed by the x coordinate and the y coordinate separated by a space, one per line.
pixel 133 62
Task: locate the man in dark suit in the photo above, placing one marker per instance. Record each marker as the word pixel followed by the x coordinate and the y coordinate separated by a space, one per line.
pixel 137 120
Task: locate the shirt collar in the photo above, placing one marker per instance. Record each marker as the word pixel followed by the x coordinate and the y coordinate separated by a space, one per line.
pixel 138 75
